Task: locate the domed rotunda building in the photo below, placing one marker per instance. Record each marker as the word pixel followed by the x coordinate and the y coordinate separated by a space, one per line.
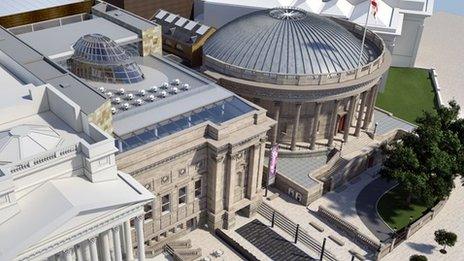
pixel 303 68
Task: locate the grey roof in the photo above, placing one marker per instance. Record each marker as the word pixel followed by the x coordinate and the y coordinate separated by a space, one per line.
pixel 70 33
pixel 178 27
pixel 123 16
pixel 387 123
pixel 288 41
pixel 38 69
pixel 203 92
pixel 299 168
pixel 10 7
pixel 24 141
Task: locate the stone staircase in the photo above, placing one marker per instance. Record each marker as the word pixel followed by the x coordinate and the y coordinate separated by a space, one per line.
pixel 181 250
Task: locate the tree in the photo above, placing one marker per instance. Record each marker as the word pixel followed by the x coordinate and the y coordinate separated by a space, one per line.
pixel 445 238
pixel 426 161
pixel 418 258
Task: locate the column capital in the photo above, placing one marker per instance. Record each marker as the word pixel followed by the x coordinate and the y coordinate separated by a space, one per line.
pixel 115 229
pixel 262 140
pixel 92 240
pixel 218 158
pixel 277 103
pixel 68 251
pixel 140 218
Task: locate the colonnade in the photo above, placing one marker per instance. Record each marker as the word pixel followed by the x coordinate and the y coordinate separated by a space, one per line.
pixel 365 100
pixel 112 244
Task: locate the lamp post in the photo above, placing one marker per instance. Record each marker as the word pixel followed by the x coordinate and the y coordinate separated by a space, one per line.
pixel 375 127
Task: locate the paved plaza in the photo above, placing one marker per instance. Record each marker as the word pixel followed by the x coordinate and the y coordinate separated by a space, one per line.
pixel 441 48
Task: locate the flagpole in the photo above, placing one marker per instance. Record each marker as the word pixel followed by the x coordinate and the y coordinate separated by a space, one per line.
pixel 364 34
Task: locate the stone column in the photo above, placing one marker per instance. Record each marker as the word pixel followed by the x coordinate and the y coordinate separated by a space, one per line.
pixel 140 238
pixel 231 172
pixel 295 125
pixel 262 149
pixel 275 130
pixel 360 114
pixel 216 191
pixel 230 190
pixel 253 171
pixel 371 107
pixel 333 123
pixel 117 244
pixel 79 253
pixel 93 249
pixel 349 118
pixel 67 254
pixel 105 246
pixel 317 113
pixel 85 247
pixel 128 242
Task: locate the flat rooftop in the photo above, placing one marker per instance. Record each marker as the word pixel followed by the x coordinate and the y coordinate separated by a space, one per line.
pixel 30 66
pixel 68 34
pixel 11 7
pixel 203 101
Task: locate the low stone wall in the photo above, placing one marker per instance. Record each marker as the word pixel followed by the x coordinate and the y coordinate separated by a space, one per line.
pixel 349 229
pixel 436 86
pixel 413 228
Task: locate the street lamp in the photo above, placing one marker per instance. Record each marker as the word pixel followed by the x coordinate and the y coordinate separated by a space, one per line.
pixel 375 127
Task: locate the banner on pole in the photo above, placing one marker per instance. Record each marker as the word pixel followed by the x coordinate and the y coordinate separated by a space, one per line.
pixel 273 164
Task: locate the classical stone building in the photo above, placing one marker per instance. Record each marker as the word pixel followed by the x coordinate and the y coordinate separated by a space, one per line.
pixel 305 69
pixel 195 145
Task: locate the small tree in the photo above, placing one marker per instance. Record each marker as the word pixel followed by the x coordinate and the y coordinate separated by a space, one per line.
pixel 418 258
pixel 445 238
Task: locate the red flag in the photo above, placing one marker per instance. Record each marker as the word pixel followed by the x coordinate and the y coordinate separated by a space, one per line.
pixel 375 7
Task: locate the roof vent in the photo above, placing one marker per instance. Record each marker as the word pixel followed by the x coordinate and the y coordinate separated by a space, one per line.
pixel 287 13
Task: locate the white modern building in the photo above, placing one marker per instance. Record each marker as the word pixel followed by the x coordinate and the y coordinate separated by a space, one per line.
pixel 61 195
pixel 399 22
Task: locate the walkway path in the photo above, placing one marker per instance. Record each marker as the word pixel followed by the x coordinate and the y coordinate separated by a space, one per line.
pixel 366 207
pixel 441 48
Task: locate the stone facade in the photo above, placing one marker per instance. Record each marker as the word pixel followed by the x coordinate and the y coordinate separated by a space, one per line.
pixel 103 117
pixel 151 41
pixel 201 176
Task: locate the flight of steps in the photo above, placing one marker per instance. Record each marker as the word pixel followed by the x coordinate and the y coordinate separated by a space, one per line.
pixel 182 250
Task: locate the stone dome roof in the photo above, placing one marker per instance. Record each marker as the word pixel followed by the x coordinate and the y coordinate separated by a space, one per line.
pixel 287 41
pixel 23 141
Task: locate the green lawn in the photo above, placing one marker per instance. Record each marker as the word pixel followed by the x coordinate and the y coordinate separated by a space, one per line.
pixel 393 210
pixel 407 93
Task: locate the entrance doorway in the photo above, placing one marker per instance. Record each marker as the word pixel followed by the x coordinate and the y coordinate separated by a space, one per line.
pixel 341 123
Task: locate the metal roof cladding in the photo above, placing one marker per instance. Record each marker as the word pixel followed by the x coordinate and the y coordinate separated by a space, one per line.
pixel 287 40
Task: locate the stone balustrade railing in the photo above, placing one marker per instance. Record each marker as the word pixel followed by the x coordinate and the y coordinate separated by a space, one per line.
pixel 42 159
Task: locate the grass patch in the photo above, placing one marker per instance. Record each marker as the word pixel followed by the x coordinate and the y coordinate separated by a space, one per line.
pixel 394 211
pixel 408 92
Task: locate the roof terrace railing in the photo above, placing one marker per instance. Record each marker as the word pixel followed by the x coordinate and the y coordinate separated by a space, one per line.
pixel 308 79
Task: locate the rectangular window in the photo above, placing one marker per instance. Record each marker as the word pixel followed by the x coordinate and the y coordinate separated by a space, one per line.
pixel 165 204
pixel 198 188
pixel 148 212
pixel 182 195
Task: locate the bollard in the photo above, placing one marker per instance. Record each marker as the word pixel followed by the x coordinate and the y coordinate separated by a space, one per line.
pixel 296 232
pixel 322 249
